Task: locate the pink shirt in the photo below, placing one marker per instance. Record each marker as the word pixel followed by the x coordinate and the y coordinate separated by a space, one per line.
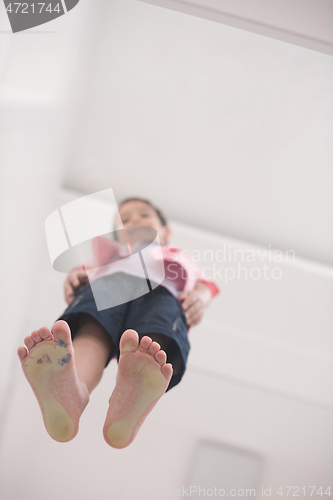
pixel 180 269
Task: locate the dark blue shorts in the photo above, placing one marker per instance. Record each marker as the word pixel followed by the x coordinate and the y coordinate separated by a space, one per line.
pixel 157 312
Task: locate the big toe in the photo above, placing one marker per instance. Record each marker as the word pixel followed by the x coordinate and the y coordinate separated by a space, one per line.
pixel 61 331
pixel 129 341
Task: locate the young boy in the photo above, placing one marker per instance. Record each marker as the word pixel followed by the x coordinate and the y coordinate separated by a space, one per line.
pixel 63 373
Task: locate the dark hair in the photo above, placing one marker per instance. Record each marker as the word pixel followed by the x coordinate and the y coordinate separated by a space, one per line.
pixel 159 214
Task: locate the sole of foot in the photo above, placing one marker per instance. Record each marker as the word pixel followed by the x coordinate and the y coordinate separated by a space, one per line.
pixel 143 377
pixel 48 364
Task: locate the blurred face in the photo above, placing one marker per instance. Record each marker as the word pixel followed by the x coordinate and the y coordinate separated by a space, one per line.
pixel 138 213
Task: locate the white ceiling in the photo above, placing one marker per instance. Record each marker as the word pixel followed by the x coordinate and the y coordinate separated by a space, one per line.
pixel 224 129
pixel 307 23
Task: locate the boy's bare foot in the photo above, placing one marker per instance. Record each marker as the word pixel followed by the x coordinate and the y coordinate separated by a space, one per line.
pixel 143 377
pixel 48 365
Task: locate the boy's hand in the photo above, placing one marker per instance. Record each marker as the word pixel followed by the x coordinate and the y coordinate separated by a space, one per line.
pixel 195 302
pixel 72 283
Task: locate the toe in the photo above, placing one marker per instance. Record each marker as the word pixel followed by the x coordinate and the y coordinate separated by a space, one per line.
pixel 167 370
pixel 145 344
pixel 29 342
pixel 22 352
pixel 154 348
pixel 161 357
pixel 45 333
pixel 129 341
pixel 36 337
pixel 61 332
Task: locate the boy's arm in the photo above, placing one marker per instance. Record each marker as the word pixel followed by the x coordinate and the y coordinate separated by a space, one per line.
pixel 204 291
pixel 72 283
pixel 195 302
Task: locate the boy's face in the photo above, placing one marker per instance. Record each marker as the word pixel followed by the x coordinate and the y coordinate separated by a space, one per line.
pixel 139 213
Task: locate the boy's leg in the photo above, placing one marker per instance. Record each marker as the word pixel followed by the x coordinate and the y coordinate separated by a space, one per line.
pixel 92 348
pixel 143 377
pixel 61 378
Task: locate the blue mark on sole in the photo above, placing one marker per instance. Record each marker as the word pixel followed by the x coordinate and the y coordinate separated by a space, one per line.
pixel 62 343
pixel 45 358
pixel 64 360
